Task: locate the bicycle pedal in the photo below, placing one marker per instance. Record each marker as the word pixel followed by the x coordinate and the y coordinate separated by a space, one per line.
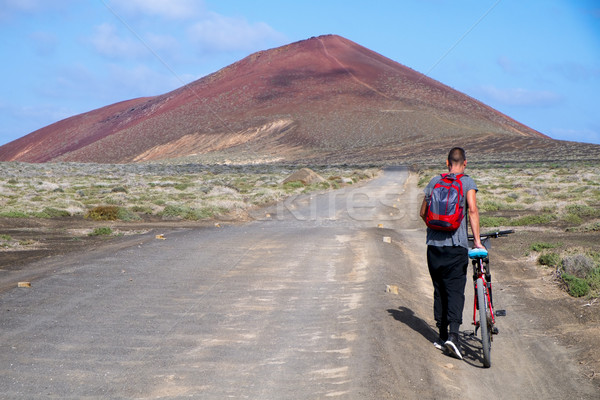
pixel 495 330
pixel 500 313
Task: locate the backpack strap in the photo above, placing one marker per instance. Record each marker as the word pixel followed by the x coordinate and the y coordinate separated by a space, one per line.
pixel 456 177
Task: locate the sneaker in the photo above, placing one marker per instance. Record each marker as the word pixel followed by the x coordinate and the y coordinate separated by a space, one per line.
pixel 439 344
pixel 452 346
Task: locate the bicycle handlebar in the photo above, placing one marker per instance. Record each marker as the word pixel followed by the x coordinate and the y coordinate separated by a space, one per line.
pixel 496 234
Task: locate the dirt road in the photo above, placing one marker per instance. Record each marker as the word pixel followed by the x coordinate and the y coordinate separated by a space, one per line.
pixel 291 306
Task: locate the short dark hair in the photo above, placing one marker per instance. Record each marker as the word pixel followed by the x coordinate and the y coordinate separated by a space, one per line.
pixel 457 156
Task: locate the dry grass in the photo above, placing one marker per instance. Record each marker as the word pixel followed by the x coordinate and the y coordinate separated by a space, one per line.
pixel 133 191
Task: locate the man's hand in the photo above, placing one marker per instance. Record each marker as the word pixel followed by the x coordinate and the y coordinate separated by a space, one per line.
pixel 477 244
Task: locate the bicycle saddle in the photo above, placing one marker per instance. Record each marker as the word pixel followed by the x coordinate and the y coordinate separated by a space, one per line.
pixel 478 253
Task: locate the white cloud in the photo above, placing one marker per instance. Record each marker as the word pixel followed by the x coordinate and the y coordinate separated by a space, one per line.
pixel 107 42
pixel 127 83
pixel 172 9
pixel 520 96
pixel 219 33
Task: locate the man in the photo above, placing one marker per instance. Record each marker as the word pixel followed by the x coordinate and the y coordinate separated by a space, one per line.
pixel 447 257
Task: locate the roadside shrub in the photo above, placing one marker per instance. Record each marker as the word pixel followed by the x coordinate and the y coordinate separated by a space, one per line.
pixel 175 211
pixel 578 265
pixel 317 186
pixel 101 231
pixel 55 212
pixel 582 210
pixel 490 206
pixel 577 287
pixel 488 222
pixel 103 213
pixel 194 214
pixel 141 209
pixel 533 220
pixel 511 198
pixel 539 246
pixel 14 214
pixel 209 212
pixel 293 185
pixel 573 219
pixel 423 181
pixel 127 215
pixel 593 227
pixel 549 259
pixel 593 280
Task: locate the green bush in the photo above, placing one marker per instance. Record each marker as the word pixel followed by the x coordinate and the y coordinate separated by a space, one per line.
pixel 490 206
pixel 175 211
pixel 488 222
pixel 14 214
pixel 549 259
pixel 127 215
pixel 194 214
pixel 577 287
pixel 592 227
pixel 582 210
pixel 141 209
pixel 533 220
pixel 103 213
pixel 573 219
pixel 593 280
pixel 293 185
pixel 101 231
pixel 55 212
pixel 539 246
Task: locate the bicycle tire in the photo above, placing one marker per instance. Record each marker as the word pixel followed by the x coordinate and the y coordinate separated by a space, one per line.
pixel 483 323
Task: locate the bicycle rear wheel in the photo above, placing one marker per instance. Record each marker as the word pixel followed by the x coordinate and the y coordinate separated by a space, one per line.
pixel 483 323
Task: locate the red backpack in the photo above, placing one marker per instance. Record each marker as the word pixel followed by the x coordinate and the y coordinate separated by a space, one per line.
pixel 444 209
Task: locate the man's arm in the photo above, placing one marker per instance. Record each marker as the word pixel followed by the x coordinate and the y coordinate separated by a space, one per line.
pixel 474 217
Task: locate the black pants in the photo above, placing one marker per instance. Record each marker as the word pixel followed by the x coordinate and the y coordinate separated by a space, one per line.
pixel 448 271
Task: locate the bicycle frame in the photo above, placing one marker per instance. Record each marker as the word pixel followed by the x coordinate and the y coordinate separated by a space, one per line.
pixel 481 269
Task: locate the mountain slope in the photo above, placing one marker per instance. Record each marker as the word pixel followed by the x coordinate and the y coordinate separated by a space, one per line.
pixel 325 98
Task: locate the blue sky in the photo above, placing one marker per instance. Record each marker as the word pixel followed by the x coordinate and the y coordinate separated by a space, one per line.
pixel 538 61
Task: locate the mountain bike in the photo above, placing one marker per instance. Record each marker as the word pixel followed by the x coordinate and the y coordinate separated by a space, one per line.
pixel 483 302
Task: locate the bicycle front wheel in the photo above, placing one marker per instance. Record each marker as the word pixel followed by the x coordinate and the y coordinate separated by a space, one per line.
pixel 483 323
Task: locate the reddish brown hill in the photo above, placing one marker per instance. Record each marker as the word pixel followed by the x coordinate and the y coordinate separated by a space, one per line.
pixel 324 98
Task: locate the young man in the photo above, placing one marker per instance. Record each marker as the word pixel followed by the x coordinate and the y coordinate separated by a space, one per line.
pixel 447 257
